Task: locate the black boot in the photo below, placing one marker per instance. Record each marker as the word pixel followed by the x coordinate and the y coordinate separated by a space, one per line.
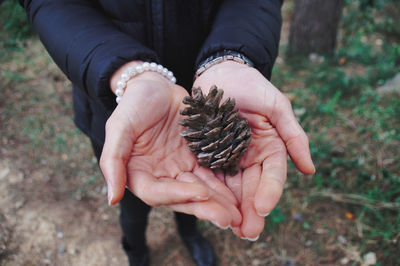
pixel 201 251
pixel 133 219
pixel 136 258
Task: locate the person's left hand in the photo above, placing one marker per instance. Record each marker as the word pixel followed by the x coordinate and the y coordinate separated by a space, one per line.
pixel 275 131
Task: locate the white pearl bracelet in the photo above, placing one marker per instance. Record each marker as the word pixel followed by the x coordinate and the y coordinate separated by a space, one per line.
pixel 131 72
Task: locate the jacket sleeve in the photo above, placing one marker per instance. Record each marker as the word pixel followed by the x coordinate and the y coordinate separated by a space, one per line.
pixel 251 27
pixel 84 43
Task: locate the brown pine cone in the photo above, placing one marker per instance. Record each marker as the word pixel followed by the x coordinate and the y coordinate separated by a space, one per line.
pixel 215 134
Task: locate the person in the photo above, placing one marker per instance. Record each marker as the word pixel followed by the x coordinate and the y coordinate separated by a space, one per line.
pixel 232 44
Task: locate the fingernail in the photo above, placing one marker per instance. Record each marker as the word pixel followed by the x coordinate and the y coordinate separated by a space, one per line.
pixel 219 226
pixel 110 193
pixel 253 239
pixel 263 214
pixel 250 239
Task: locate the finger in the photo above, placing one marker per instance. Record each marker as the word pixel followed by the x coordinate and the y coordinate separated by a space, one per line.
pixel 209 178
pixel 237 232
pixel 253 224
pixel 234 183
pixel 293 135
pixel 115 154
pixel 221 198
pixel 233 209
pixel 273 178
pixel 163 191
pixel 209 210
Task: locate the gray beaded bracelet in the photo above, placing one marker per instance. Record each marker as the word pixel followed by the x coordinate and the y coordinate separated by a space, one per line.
pixel 131 72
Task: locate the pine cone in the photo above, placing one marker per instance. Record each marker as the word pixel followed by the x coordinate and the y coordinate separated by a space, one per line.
pixel 215 134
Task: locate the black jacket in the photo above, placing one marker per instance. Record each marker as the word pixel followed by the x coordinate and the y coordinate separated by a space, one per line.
pixel 90 40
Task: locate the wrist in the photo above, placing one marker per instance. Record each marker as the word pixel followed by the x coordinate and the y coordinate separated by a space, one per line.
pixel 134 70
pixel 117 74
pixel 222 57
pixel 223 70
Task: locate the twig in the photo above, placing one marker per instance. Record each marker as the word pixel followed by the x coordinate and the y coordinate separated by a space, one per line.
pixel 356 200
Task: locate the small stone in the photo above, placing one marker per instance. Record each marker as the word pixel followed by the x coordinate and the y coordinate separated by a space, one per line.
pixel 72 251
pixel 4 172
pixel 61 250
pixel 19 204
pixel 309 243
pixel 369 258
pixel 344 261
pixel 298 217
pixel 320 231
pixel 392 85
pixel 17 179
pixel 364 39
pixel 342 239
pixel 315 58
pixel 46 261
pixel 60 235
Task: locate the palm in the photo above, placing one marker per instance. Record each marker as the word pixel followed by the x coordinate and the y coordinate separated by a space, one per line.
pixel 259 185
pixel 159 150
pixel 159 167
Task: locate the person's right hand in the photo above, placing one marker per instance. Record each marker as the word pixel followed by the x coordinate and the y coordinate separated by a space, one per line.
pixel 144 152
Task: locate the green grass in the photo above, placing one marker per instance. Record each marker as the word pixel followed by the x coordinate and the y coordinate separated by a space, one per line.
pixel 354 131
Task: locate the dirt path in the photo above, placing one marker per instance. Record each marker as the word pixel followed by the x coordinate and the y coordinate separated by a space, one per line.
pixel 40 227
pixel 53 208
pixel 53 231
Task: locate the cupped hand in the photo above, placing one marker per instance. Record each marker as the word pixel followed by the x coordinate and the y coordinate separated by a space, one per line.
pixel 144 152
pixel 275 132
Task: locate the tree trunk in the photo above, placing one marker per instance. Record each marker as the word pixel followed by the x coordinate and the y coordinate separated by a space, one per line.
pixel 314 26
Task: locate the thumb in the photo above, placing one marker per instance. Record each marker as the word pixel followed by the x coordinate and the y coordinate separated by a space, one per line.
pixel 292 134
pixel 115 155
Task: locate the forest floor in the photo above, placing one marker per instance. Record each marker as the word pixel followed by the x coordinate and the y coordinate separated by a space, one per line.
pixel 53 206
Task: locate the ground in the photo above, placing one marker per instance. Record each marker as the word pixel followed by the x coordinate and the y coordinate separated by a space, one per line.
pixel 53 206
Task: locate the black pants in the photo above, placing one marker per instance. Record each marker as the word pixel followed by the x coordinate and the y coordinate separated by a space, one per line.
pixel 133 219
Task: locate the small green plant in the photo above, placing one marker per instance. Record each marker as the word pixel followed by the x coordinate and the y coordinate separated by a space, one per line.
pixel 13 21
